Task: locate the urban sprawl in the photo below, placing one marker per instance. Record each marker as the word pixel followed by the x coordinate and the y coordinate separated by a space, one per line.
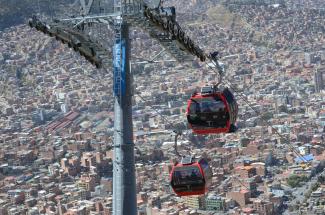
pixel 57 119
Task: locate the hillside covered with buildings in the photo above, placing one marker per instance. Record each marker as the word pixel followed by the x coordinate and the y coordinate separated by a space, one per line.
pixel 56 117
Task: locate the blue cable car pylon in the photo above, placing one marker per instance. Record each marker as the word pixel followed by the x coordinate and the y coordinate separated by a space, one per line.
pixel 124 188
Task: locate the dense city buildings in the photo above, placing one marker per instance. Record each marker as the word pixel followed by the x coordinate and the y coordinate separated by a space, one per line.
pixel 56 116
pixel 320 79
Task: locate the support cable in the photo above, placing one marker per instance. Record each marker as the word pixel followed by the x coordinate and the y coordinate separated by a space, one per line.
pixel 244 185
pixel 250 106
pixel 39 7
pixel 174 29
pixel 170 25
pixel 51 9
pixel 177 131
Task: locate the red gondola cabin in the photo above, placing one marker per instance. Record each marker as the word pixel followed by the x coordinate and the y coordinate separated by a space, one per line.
pixel 212 111
pixel 191 177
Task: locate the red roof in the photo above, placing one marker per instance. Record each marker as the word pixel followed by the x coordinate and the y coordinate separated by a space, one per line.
pixel 53 125
pixel 61 123
pixel 72 115
pixel 244 191
pixel 247 210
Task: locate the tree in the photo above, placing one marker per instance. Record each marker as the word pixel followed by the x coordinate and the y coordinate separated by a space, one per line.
pixel 267 116
pixel 296 207
pixel 295 180
pixel 321 179
pixel 315 186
